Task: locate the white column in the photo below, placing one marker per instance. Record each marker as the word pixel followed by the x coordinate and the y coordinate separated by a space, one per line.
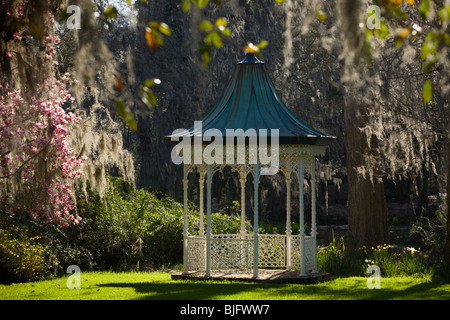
pixel 301 176
pixel 208 220
pixel 256 174
pixel 288 222
pixel 185 219
pixel 313 213
pixel 201 182
pixel 243 250
pixel 242 180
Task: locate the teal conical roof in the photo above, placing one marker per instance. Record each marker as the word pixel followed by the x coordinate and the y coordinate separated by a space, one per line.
pixel 250 101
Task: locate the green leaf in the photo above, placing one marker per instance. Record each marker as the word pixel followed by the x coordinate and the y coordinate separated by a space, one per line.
pixel 251 48
pixel 383 31
pixel 153 25
pixel 153 34
pixel 262 44
pixel 428 48
pixel 131 123
pixel 429 51
pixel 206 57
pixel 151 82
pixel 225 31
pixel 397 12
pixel 161 27
pixel 111 12
pixel 205 25
pixel 221 22
pixel 216 39
pixel 427 91
pixel 164 28
pixel 444 13
pixel 126 114
pixel 321 14
pixel 186 5
pixel 202 3
pixel 424 8
pixel 154 39
pixel 149 97
pixel 447 38
pixel 121 108
pixel 158 37
pixel 208 38
pixel 280 1
pixel 206 54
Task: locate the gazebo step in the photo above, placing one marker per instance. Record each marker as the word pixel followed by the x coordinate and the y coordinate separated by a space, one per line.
pixel 265 276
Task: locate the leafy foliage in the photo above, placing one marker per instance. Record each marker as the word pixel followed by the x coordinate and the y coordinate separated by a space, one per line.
pixel 153 34
pixel 392 262
pixel 429 233
pixel 23 257
pixel 127 227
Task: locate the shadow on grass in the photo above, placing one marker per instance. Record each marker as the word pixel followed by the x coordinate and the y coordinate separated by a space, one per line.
pixel 185 290
pixel 352 290
pixel 423 291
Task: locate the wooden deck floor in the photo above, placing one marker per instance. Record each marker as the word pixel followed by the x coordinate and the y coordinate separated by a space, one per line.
pixel 271 276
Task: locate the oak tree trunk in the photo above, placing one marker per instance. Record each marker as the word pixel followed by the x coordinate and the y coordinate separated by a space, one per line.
pixel 367 210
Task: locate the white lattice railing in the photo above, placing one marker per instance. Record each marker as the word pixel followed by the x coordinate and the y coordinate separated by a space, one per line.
pixel 272 251
pixel 296 256
pixel 196 253
pixel 230 252
pixel 235 252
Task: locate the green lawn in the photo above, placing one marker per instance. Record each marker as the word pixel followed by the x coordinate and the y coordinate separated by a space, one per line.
pixel 159 285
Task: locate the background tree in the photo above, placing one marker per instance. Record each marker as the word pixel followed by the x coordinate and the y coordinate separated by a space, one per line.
pixel 37 162
pixel 43 145
pixel 398 125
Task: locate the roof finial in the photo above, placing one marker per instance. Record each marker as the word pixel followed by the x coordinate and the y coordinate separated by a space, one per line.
pixel 251 58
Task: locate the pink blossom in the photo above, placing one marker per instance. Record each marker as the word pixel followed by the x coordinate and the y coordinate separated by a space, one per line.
pixel 37 125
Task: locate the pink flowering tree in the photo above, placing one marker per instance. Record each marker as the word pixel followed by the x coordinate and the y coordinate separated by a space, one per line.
pixel 37 164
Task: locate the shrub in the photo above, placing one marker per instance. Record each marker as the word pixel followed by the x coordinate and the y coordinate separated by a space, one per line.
pixel 335 260
pixel 392 262
pixel 23 257
pixel 429 233
pixel 127 227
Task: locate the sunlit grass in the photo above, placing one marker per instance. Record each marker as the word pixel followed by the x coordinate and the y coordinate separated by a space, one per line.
pixel 159 285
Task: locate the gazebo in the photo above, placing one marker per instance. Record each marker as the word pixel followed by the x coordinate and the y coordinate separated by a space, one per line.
pixel 250 109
